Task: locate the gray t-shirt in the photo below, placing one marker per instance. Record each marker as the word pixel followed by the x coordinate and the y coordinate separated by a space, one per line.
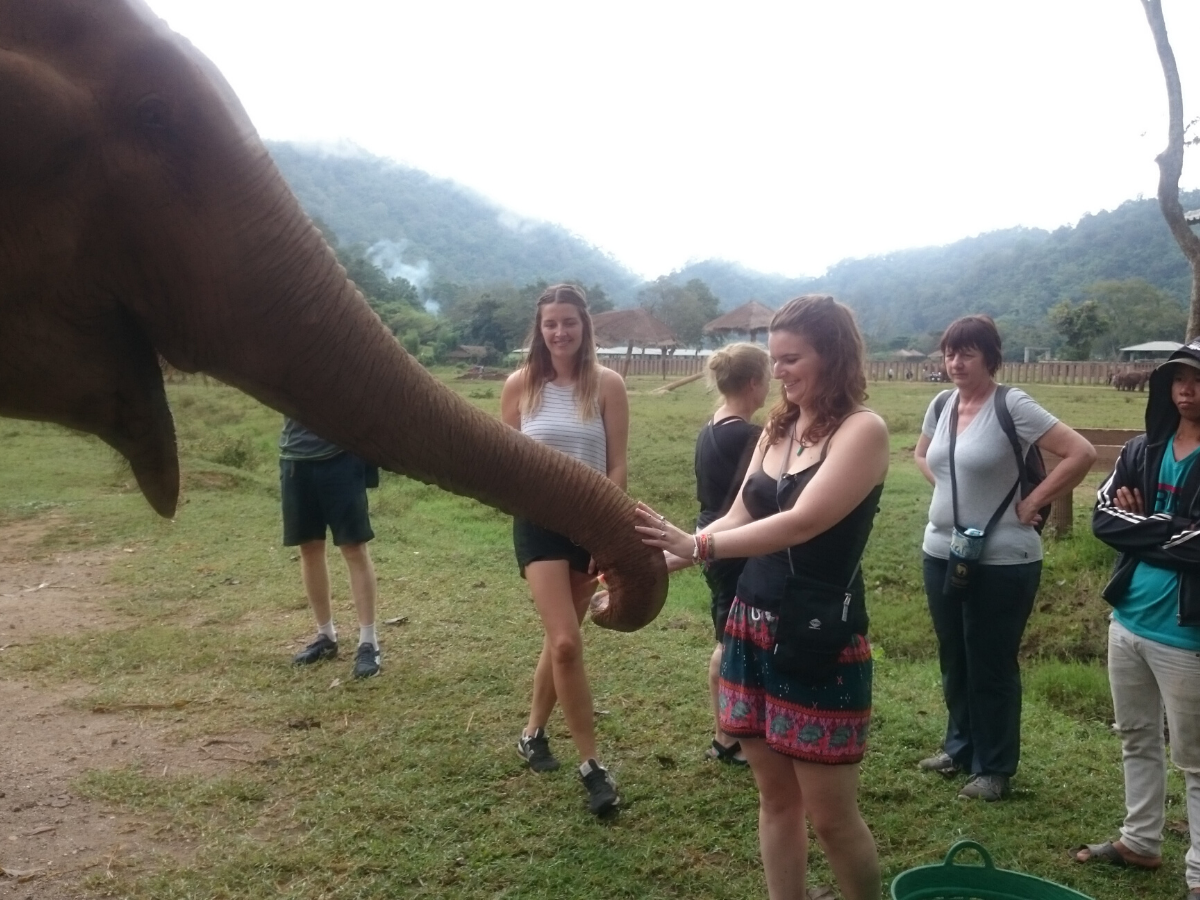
pixel 298 443
pixel 986 468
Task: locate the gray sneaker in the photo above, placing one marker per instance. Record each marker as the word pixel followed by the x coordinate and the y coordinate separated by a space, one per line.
pixel 320 649
pixel 602 790
pixel 985 787
pixel 535 750
pixel 367 661
pixel 940 762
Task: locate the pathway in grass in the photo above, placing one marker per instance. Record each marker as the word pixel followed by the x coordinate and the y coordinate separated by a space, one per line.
pixel 51 839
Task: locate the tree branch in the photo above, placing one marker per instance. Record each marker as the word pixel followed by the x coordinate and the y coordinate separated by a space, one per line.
pixel 1170 161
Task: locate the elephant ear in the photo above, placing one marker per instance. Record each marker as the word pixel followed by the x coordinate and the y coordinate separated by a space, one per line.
pixel 71 354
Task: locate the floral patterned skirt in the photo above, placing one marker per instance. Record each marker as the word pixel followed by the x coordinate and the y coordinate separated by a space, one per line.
pixel 826 722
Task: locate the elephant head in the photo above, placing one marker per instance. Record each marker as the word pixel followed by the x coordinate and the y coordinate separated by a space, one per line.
pixel 140 214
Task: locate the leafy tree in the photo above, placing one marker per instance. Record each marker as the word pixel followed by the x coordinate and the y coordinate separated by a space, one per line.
pixel 685 310
pixel 498 315
pixel 1079 326
pixel 598 300
pixel 1137 311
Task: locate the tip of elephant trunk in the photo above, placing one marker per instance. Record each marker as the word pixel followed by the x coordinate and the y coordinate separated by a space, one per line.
pixel 631 603
pixel 159 484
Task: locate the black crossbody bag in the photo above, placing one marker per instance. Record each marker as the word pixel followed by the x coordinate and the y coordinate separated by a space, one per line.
pixel 815 623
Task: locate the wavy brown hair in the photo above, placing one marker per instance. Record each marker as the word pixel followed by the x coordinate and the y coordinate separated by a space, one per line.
pixel 830 328
pixel 538 367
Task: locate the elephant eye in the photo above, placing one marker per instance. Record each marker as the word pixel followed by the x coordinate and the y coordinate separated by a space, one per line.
pixel 152 113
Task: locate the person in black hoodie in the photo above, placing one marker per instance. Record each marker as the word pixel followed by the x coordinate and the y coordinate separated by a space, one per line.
pixel 1149 511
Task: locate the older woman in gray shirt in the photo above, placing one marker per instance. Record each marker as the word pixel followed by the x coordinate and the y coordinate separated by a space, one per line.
pixel 979 617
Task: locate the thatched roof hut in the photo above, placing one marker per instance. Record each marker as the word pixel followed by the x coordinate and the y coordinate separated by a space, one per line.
pixel 632 326
pixel 751 318
pixel 467 351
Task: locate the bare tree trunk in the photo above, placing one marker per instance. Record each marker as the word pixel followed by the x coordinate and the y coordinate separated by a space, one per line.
pixel 1170 162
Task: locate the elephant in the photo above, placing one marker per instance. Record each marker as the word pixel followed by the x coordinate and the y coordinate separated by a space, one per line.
pixel 141 215
pixel 1130 381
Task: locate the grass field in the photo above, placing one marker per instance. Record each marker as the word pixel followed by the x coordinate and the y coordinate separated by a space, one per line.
pixel 411 786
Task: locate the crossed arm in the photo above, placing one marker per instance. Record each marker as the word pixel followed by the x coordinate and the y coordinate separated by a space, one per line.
pixel 1121 520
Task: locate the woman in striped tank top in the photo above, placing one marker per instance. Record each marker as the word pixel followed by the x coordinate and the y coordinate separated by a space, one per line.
pixel 564 398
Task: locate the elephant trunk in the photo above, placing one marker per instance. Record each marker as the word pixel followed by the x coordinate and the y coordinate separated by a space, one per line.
pixel 335 367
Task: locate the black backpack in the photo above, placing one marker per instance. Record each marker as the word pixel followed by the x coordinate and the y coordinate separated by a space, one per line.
pixel 1032 469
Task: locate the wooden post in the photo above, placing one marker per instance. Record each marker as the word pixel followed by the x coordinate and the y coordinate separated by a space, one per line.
pixel 1062 515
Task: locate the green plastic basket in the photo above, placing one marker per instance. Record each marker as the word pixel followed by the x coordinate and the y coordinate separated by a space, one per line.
pixel 951 881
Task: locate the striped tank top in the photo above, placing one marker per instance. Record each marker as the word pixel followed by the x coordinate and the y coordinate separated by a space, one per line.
pixel 556 424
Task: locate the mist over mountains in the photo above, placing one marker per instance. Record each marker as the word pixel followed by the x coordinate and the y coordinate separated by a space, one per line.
pixel 432 231
pixel 438 230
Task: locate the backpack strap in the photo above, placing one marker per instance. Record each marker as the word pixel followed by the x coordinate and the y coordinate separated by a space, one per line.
pixel 939 404
pixel 1004 417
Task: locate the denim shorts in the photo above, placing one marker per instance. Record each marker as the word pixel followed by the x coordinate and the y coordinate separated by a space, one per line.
pixel 324 493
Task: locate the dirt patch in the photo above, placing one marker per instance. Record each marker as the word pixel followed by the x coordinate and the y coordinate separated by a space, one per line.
pixel 51 839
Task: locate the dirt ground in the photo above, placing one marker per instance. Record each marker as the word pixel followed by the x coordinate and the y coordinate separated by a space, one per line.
pixel 50 838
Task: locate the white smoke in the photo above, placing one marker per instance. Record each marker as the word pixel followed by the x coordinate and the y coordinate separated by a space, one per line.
pixel 388 256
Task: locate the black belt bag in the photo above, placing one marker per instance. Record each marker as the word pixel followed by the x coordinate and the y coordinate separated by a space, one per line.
pixel 814 626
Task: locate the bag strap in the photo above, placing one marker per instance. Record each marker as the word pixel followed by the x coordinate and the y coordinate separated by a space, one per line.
pixel 1004 417
pixel 939 404
pixel 1008 498
pixel 710 430
pixel 779 488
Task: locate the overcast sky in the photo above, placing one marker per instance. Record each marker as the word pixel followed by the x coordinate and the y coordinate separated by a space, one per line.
pixel 782 135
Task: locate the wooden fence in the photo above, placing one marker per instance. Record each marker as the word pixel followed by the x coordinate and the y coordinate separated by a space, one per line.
pixel 671 367
pixel 1013 373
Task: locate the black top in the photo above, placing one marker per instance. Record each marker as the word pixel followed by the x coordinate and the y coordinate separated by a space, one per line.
pixel 723 452
pixel 831 556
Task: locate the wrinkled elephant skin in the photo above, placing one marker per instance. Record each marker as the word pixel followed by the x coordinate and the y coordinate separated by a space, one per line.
pixel 140 215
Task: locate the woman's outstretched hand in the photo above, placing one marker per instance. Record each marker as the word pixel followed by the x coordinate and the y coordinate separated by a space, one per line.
pixel 656 531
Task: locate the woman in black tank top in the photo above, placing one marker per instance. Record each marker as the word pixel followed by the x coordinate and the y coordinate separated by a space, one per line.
pixel 806 507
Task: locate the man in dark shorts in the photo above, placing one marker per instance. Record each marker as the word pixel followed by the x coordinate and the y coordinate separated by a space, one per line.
pixel 322 486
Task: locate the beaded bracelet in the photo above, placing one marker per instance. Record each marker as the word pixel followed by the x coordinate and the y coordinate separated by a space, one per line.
pixel 704 548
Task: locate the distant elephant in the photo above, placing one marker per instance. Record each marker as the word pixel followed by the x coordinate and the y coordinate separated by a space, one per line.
pixel 140 212
pixel 1130 381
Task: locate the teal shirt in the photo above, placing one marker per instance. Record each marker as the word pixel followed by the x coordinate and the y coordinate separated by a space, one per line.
pixel 1151 605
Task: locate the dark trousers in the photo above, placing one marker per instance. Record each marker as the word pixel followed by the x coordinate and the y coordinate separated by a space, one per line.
pixel 979 634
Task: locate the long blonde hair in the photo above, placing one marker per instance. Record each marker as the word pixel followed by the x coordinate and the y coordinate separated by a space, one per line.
pixel 538 367
pixel 732 368
pixel 831 330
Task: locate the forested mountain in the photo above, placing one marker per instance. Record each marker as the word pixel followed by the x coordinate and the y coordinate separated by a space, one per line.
pixel 1015 275
pixel 469 254
pixel 436 230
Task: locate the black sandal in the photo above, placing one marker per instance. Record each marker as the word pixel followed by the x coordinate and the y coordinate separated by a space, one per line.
pixel 721 753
